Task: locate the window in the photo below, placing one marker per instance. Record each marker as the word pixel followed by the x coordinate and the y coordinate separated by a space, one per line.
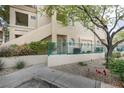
pixel 16 36
pixel 21 19
pixel 33 17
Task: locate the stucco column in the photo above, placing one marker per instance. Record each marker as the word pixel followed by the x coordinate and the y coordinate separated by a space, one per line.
pixel 11 34
pixel 54 24
pixel 94 43
pixel 3 41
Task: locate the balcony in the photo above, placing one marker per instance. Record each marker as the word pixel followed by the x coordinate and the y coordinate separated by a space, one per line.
pixel 29 8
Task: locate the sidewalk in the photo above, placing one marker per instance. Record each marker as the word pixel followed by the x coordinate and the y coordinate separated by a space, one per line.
pixel 56 77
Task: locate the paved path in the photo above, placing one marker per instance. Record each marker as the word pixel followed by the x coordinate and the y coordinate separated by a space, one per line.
pixel 55 77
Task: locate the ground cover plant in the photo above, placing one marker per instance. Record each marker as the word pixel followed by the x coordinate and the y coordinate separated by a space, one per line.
pixel 20 65
pixel 33 48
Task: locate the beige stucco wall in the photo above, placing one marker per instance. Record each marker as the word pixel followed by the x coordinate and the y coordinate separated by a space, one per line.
pixel 0 28
pixel 21 30
pixel 42 18
pixel 38 29
pixel 77 32
pixel 57 60
pixel 29 60
pixel 35 35
pixel 33 24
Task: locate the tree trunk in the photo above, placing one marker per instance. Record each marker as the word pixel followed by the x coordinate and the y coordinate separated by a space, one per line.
pixel 108 55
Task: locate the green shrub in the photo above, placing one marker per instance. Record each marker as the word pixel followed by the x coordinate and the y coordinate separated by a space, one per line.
pixel 20 65
pixel 1 65
pixel 14 46
pixel 82 64
pixel 83 52
pixel 34 48
pixel 116 66
pixel 116 54
pixel 40 47
pixel 89 51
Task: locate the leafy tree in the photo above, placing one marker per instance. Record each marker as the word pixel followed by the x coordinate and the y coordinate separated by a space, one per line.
pixel 4 20
pixel 4 12
pixel 109 19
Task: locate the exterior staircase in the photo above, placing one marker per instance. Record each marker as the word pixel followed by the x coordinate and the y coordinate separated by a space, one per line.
pixel 34 35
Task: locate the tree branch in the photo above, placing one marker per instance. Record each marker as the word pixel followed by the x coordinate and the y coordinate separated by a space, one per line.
pixel 118 30
pixel 97 36
pixel 118 42
pixel 99 19
pixel 105 26
pixel 104 9
pixel 116 20
pixel 90 16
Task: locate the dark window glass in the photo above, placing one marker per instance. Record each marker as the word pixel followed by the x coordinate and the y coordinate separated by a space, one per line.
pixel 16 36
pixel 21 19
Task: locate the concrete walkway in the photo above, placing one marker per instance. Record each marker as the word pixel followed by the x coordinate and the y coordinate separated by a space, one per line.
pixel 55 77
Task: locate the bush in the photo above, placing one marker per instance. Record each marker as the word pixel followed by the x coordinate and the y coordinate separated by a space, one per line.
pixel 14 46
pixel 23 50
pixel 1 65
pixel 20 65
pixel 116 54
pixel 83 52
pixel 116 66
pixel 34 48
pixel 40 47
pixel 6 52
pixel 82 64
pixel 89 51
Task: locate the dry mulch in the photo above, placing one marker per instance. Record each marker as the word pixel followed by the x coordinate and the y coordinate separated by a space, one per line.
pixel 6 71
pixel 93 70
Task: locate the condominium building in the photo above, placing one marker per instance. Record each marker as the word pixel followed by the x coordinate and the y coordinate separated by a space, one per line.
pixel 26 24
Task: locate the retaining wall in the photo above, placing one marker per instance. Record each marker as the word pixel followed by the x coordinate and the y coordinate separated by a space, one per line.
pixel 56 60
pixel 29 60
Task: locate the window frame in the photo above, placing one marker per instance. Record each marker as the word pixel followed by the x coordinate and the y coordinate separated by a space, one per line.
pixel 26 24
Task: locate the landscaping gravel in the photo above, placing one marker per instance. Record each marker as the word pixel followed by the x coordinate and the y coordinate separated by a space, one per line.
pixel 7 71
pixel 90 71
